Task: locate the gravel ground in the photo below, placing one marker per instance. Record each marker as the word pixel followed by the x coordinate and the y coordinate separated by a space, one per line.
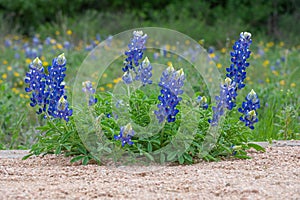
pixel 274 174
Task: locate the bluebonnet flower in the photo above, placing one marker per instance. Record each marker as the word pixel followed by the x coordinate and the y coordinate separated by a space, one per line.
pixel 144 72
pixel 37 84
pixel 89 91
pixel 171 83
pixel 239 56
pixel 226 99
pixel 249 108
pixel 203 102
pixel 55 81
pixel 125 135
pixel 135 52
pixel 62 109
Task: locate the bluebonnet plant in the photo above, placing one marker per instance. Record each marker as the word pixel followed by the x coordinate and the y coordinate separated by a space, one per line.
pixel 125 135
pixel 171 83
pixel 249 108
pixel 226 99
pixel 89 91
pixel 144 72
pixel 239 56
pixel 48 90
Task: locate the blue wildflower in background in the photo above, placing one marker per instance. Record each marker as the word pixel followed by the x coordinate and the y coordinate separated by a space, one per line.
pixel 144 72
pixel 239 56
pixel 171 83
pixel 249 108
pixel 226 100
pixel 134 54
pixel 89 91
pixel 125 135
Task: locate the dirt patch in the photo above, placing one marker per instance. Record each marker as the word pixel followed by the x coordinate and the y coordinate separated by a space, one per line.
pixel 274 174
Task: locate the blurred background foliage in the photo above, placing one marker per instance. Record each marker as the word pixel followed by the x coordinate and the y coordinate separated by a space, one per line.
pixel 212 19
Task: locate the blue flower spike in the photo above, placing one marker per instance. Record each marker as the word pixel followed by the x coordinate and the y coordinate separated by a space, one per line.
pixel 249 108
pixel 145 72
pixel 239 56
pixel 226 99
pixel 135 52
pixel 171 83
pixel 89 91
pixel 125 135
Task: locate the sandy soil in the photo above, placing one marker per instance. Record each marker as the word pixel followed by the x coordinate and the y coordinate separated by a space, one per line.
pixel 274 174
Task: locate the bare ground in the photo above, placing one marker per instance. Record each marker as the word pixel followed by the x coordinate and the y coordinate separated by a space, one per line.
pixel 274 174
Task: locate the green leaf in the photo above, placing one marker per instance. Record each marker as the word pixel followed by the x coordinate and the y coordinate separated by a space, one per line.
pixel 171 156
pixel 149 148
pixel 27 156
pixel 149 156
pixel 85 160
pixel 77 158
pixel 162 158
pixel 256 147
pixel 181 159
pixel 58 150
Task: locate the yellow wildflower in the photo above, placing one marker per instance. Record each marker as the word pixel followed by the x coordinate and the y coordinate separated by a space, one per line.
pixel 28 61
pixel 27 96
pixel 109 85
pixel 69 32
pixel 219 65
pixel 117 80
pixel 4 62
pixel 1 81
pixel 270 44
pixel 293 84
pixel 57 33
pixel 9 68
pixel 104 75
pixel 22 95
pixel 282 82
pixel 267 80
pixel 223 50
pixel 169 63
pixel 16 74
pixel 45 63
pixel 276 73
pixel 59 46
pixel 281 44
pixel 212 55
pixel 187 42
pixel 168 47
pixel 4 76
pixel 266 63
pixel 102 89
pixel 21 82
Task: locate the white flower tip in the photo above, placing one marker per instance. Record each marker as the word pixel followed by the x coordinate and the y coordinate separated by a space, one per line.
pixel 252 93
pixel 61 59
pixel 252 113
pixel 138 33
pixel 170 69
pixel 245 35
pixel 180 72
pixel 228 81
pixel 37 62
pixel 146 61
